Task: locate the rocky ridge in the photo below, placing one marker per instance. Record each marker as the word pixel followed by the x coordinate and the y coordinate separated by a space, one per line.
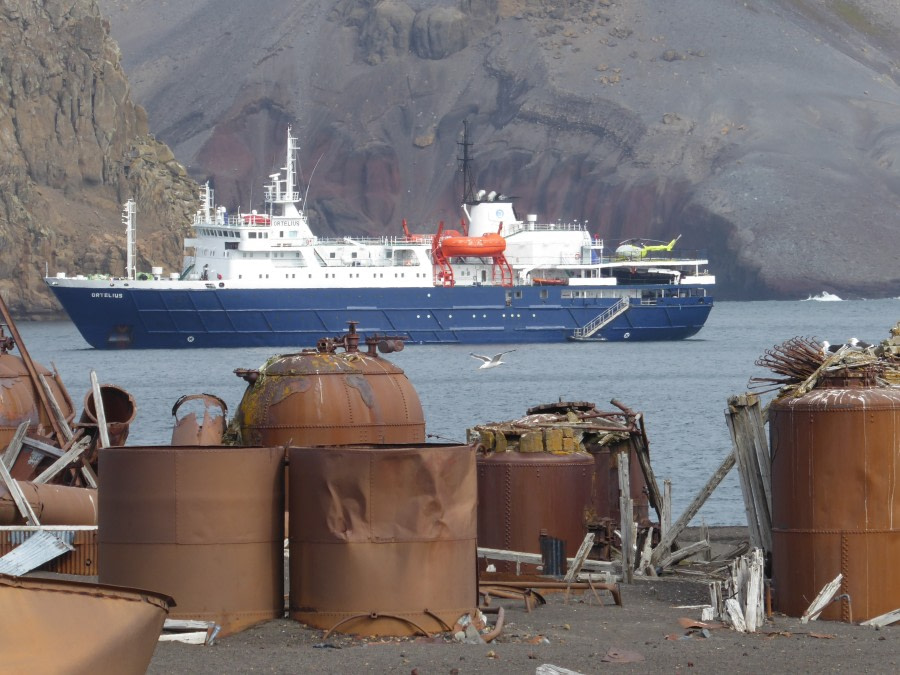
pixel 764 132
pixel 76 147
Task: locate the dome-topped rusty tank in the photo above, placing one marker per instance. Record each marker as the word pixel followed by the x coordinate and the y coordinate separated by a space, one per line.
pixel 19 401
pixel 325 397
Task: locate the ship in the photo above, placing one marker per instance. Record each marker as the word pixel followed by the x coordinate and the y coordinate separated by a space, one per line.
pixel 265 279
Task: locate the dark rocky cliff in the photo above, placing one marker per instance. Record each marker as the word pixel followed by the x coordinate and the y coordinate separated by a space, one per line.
pixel 765 131
pixel 75 147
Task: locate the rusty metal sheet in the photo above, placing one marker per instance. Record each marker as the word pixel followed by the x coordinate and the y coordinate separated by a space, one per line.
pixel 835 506
pixel 200 419
pixel 383 538
pixel 204 524
pixel 56 626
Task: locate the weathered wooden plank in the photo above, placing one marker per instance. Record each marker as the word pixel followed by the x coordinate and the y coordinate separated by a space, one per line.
pixel 18 497
pixel 754 615
pixel 99 411
pixel 751 452
pixel 822 600
pixel 682 553
pixel 535 559
pixel 882 620
pixel 580 557
pixel 665 519
pixel 735 615
pixel 68 458
pixel 47 449
pixel 626 517
pixel 62 425
pixel 15 445
pixel 666 542
pixel 87 471
pixel 642 451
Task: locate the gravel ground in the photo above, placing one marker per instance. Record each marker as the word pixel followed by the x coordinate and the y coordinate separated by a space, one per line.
pixel 580 635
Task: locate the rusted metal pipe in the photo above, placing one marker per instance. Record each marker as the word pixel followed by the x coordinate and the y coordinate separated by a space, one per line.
pixel 52 504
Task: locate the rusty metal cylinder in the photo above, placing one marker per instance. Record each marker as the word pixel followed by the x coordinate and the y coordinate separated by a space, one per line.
pixel 202 524
pixel 316 398
pixel 119 409
pixel 522 495
pixel 835 499
pixel 200 419
pixel 52 504
pixel 382 538
pixel 19 401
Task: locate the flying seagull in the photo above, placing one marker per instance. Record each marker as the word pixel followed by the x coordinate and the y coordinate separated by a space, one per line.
pixel 490 361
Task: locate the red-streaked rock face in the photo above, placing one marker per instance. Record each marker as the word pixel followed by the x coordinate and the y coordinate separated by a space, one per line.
pixel 764 133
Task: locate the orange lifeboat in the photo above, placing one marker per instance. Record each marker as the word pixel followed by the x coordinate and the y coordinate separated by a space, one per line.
pixel 256 219
pixel 485 245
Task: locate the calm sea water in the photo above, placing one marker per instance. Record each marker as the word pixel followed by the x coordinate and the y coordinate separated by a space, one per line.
pixel 681 387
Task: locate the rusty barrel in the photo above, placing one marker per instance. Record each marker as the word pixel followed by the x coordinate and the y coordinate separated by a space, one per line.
pixel 382 538
pixel 202 524
pixel 524 494
pixel 835 502
pixel 119 409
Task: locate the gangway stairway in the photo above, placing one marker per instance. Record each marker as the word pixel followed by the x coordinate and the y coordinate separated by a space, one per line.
pixel 587 331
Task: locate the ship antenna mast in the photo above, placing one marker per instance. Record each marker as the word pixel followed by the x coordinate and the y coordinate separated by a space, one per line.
pixel 130 239
pixel 465 166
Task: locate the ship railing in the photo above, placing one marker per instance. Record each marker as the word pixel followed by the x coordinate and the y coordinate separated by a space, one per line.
pixel 514 228
pixel 601 320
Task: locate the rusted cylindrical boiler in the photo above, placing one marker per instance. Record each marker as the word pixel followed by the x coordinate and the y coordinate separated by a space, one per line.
pixel 52 504
pixel 835 501
pixel 382 538
pixel 20 403
pixel 202 524
pixel 522 495
pixel 329 398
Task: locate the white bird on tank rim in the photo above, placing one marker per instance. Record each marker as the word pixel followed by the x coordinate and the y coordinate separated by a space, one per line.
pixel 490 361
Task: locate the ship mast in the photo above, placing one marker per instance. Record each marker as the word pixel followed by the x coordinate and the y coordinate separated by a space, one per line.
pixel 465 167
pixel 130 239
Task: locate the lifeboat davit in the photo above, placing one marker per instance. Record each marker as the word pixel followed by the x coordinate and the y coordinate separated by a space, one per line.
pixel 485 245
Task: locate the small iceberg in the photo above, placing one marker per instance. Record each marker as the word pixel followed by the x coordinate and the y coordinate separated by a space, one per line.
pixel 824 296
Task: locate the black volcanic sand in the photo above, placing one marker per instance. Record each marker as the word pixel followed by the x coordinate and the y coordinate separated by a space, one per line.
pixel 580 636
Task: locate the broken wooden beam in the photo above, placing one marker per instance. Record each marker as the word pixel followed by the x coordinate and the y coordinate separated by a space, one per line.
pixel 669 538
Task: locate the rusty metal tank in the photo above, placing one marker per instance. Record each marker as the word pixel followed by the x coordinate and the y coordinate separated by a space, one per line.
pixel 835 502
pixel 605 485
pixel 524 494
pixel 382 538
pixel 326 397
pixel 202 524
pixel 19 401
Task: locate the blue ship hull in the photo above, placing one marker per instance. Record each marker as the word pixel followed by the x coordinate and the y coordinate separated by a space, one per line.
pixel 145 318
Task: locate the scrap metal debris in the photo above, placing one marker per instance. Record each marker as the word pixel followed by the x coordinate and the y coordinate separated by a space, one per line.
pixel 802 361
